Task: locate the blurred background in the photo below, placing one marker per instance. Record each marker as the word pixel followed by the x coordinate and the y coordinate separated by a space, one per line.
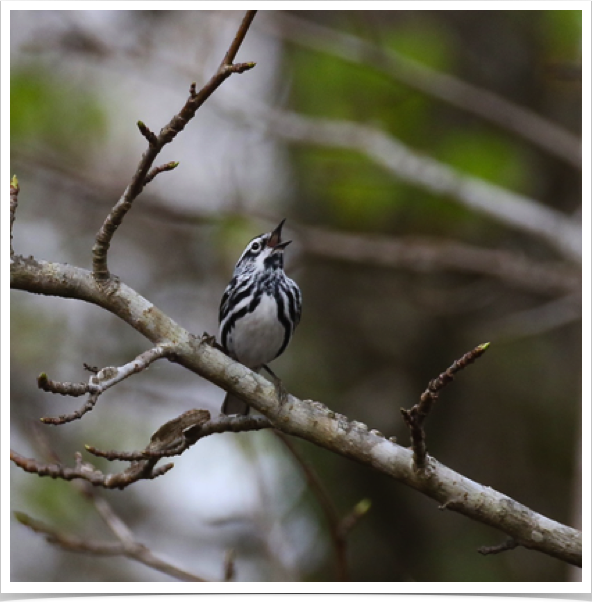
pixel 428 164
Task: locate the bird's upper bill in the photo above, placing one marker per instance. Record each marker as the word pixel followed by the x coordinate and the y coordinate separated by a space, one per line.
pixel 275 240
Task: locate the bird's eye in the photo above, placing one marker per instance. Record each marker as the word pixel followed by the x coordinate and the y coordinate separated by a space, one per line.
pixel 255 246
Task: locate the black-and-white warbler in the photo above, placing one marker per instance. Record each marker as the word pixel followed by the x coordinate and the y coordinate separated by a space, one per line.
pixel 260 308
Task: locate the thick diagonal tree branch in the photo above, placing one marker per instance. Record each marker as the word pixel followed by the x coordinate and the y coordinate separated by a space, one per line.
pixel 305 418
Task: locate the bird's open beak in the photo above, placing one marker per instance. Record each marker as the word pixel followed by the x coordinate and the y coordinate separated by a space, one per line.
pixel 276 238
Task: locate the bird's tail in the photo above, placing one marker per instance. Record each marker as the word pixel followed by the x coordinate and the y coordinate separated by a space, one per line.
pixel 234 405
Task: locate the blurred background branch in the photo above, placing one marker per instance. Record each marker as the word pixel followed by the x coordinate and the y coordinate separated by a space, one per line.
pixel 126 547
pixel 486 105
pixel 514 210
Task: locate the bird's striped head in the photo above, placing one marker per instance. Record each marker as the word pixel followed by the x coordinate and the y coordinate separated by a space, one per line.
pixel 264 253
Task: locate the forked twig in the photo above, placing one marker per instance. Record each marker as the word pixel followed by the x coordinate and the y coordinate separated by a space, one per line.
pixel 98 383
pixel 171 439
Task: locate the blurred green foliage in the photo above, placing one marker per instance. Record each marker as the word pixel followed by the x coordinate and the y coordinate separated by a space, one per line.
pixel 349 190
pixel 54 112
pixel 424 40
pixel 484 154
pixel 561 34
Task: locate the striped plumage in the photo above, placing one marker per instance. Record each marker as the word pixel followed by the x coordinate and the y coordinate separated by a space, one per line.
pixel 260 308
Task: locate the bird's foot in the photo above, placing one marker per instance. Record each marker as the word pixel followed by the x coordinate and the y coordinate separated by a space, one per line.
pixel 280 391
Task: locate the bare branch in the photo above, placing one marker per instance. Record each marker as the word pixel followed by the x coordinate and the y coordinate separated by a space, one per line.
pixel 68 281
pixel 14 191
pixel 416 416
pixel 238 40
pixel 70 389
pixel 427 254
pixel 88 472
pixel 548 136
pixel 539 319
pixel 75 415
pixel 327 505
pixel 98 383
pixel 156 170
pixel 128 548
pixel 147 133
pixel 183 432
pixel 155 144
pixel 171 439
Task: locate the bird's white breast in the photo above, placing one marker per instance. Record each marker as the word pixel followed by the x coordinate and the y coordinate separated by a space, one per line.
pixel 257 337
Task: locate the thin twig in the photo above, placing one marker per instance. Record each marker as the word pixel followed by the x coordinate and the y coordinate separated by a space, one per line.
pixel 147 132
pixel 238 39
pixel 339 528
pixel 88 472
pixel 14 191
pixel 62 388
pixel 416 416
pixel 156 170
pixel 130 549
pixel 98 383
pixel 171 439
pixel 229 565
pixel 182 437
pixel 156 143
pixel 75 415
